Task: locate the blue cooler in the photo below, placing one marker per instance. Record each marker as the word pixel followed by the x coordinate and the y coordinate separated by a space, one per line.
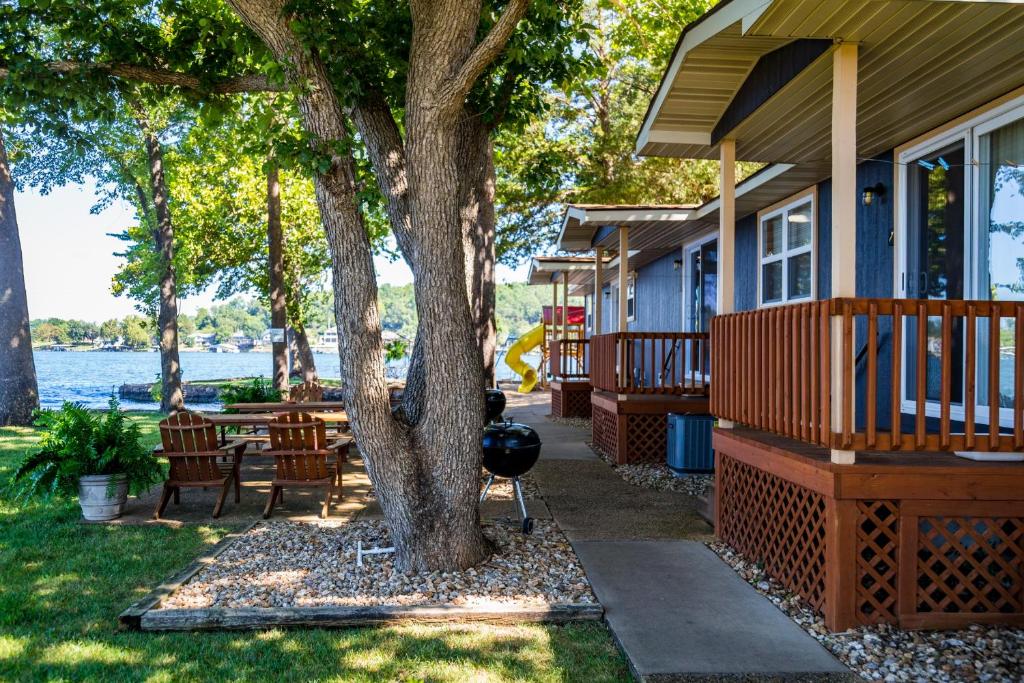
pixel 689 444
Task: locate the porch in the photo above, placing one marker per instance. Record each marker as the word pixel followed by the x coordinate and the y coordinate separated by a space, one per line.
pixel 836 456
pixel 638 378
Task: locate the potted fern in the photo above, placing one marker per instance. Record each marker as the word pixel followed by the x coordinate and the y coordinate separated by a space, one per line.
pixel 99 456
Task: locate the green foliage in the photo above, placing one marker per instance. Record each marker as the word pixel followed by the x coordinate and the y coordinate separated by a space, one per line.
pixel 257 390
pixel 135 332
pixel 248 316
pixel 59 331
pixel 395 350
pixel 76 442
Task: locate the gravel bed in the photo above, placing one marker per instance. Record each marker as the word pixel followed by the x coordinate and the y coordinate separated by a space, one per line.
pixel 292 564
pixel 578 422
pixel 885 653
pixel 659 477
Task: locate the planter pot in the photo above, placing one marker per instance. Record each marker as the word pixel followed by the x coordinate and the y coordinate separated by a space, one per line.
pixel 102 496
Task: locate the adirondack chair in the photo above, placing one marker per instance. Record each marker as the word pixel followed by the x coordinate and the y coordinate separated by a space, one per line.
pixel 189 442
pixel 302 453
pixel 305 392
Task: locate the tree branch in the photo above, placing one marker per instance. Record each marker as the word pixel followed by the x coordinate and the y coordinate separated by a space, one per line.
pixel 486 51
pixel 158 76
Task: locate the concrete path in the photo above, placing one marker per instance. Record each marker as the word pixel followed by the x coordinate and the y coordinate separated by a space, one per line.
pixel 677 611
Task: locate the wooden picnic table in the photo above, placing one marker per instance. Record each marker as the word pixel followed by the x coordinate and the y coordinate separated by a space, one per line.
pixel 338 419
pixel 287 407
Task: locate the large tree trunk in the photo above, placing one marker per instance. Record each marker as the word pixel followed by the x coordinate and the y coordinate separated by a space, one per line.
pixel 305 362
pixel 278 303
pixel 19 394
pixel 427 476
pixel 171 397
pixel 478 225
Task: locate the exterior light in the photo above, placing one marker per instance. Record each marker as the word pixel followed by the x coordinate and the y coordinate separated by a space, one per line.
pixel 677 264
pixel 870 194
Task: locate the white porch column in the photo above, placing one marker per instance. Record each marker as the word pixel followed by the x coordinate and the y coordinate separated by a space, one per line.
pixel 565 304
pixel 844 218
pixel 623 277
pixel 726 301
pixel 598 288
pixel 554 310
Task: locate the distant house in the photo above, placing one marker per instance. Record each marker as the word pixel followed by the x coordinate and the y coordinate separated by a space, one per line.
pixel 242 341
pixel 328 337
pixel 202 339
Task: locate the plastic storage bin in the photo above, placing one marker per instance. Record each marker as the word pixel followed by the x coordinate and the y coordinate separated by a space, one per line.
pixel 689 444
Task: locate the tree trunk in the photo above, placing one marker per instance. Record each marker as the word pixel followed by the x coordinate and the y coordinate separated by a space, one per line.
pixel 478 224
pixel 171 398
pixel 278 303
pixel 427 476
pixel 19 393
pixel 304 355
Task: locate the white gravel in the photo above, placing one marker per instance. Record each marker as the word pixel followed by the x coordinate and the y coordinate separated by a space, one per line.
pixel 292 564
pixel 886 653
pixel 659 477
pixel 578 422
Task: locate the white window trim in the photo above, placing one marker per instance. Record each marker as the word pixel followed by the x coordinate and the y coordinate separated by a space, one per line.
pixel 969 130
pixel 810 195
pixel 631 287
pixel 688 249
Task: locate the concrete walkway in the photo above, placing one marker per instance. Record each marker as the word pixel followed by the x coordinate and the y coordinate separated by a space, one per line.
pixel 677 611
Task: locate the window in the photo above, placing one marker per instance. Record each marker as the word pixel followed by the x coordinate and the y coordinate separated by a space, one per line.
pixel 787 252
pixel 961 236
pixel 631 298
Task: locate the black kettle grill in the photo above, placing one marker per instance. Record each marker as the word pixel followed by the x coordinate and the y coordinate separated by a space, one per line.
pixel 494 400
pixel 510 450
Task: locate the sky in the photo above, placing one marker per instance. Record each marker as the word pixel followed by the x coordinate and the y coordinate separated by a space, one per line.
pixel 70 262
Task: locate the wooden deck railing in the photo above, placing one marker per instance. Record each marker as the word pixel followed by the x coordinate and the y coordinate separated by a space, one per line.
pixel 774 371
pixel 650 362
pixel 570 360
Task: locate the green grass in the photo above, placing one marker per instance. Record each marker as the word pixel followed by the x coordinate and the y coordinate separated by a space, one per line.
pixel 63 583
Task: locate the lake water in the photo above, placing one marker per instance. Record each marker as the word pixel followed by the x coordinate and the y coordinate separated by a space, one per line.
pixel 89 377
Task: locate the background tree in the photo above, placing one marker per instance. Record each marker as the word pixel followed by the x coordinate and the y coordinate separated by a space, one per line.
pixel 19 393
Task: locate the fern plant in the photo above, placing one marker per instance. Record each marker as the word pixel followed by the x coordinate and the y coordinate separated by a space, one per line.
pixel 76 442
pixel 257 390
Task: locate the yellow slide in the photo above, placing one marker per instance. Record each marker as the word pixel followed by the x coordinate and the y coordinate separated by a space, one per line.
pixel 514 358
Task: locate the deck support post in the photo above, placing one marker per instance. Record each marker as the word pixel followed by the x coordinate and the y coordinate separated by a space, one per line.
pixel 725 301
pixel 598 289
pixel 565 304
pixel 844 224
pixel 623 277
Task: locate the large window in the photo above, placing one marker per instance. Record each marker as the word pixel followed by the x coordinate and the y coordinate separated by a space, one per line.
pixel 961 227
pixel 786 239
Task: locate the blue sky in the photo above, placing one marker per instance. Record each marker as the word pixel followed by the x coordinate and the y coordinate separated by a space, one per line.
pixel 69 259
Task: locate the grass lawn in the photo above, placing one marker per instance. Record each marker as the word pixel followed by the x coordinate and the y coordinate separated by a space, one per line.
pixel 62 585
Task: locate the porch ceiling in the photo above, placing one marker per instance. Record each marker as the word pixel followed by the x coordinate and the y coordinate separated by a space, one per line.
pixel 582 221
pixel 922 63
pixel 547 269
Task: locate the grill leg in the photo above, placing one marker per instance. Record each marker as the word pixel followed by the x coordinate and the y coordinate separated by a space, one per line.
pixel 487 487
pixel 519 498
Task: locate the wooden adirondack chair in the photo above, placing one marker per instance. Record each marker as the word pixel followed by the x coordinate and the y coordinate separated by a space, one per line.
pixel 305 392
pixel 190 444
pixel 302 452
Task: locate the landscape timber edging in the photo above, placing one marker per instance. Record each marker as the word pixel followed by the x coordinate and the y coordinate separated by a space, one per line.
pixel 242 618
pixel 146 615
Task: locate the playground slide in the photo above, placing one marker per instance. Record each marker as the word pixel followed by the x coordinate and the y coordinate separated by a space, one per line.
pixel 514 358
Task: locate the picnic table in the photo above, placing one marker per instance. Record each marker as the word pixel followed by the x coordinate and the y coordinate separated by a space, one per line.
pixel 337 419
pixel 287 407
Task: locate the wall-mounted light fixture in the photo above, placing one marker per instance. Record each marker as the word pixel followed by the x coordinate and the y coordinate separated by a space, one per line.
pixel 872 194
pixel 677 264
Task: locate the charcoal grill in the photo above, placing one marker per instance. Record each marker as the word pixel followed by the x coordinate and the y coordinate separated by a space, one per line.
pixel 510 450
pixel 494 400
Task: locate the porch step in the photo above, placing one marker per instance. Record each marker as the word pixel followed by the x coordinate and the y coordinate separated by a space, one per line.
pixel 706 504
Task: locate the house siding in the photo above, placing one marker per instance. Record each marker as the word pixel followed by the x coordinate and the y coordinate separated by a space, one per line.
pixel 659 296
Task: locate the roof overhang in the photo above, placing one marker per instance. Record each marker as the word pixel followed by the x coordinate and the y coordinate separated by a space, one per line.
pixel 581 222
pixel 922 63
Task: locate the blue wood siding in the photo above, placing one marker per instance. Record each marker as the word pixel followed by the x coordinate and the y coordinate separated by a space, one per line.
pixel 745 291
pixel 659 296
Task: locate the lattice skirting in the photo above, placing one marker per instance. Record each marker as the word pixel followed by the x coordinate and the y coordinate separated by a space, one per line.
pixel 629 438
pixel 918 564
pixel 570 399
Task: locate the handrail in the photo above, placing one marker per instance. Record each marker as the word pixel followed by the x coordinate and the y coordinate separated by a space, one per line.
pixel 570 359
pixel 775 368
pixel 650 363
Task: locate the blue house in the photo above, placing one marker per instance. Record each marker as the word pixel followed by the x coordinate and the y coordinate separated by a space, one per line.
pixel 860 298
